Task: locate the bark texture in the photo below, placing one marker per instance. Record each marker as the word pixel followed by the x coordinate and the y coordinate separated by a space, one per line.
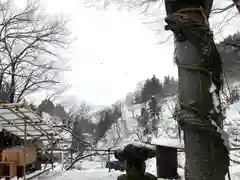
pixel 199 110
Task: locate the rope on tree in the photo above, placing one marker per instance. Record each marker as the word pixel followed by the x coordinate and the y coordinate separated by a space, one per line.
pixel 187 27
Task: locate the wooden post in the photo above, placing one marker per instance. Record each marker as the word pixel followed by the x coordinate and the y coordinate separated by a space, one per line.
pixel 109 169
pixel 1 146
pixel 12 170
pixel 166 162
pixel 52 153
pixel 25 148
pixel 71 152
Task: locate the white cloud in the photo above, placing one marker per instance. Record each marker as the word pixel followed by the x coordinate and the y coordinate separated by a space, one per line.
pixel 113 51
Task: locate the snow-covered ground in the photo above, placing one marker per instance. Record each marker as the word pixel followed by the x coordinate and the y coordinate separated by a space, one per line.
pixel 104 174
pixel 96 172
pixel 92 174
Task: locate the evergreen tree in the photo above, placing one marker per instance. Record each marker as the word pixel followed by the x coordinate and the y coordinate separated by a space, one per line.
pixel 229 49
pixel 150 87
pixel 49 107
pixel 170 86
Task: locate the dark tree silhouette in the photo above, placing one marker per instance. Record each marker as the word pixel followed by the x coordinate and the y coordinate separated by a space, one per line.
pixel 150 87
pixel 229 49
pixel 108 117
pixel 50 108
pixel 170 86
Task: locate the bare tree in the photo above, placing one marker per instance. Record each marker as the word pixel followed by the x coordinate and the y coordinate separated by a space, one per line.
pixel 108 119
pixel 129 99
pixel 173 110
pixel 139 133
pixel 29 49
pixel 80 110
pixel 77 113
pixel 4 92
pixel 120 106
pixel 117 134
pixel 131 109
pixel 229 95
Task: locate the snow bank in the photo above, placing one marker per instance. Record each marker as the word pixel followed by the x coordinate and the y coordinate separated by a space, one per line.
pixel 162 141
pixel 233 114
pixel 95 174
pixel 86 165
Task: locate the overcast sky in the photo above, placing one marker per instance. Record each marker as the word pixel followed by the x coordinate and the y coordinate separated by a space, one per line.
pixel 114 50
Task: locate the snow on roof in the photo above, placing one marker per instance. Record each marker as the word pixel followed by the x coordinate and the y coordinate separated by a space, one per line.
pixel 168 142
pixel 141 144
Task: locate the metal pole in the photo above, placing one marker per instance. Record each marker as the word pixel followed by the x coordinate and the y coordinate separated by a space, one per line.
pixel 71 151
pixel 25 148
pixel 52 152
pixel 109 169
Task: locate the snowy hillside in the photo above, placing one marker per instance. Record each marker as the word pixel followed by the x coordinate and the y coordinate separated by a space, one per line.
pixel 55 121
pixel 126 130
pixel 232 123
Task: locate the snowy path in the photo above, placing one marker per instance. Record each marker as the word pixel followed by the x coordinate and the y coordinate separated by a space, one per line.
pixel 95 174
pixel 102 174
pixel 235 172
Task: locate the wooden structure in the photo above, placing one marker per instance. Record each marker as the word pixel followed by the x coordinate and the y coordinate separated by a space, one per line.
pixel 16 154
pixel 166 157
pixel 27 127
pixel 12 169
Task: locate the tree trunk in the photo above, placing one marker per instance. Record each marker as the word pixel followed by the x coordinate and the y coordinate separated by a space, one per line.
pixel 199 68
pixel 13 85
